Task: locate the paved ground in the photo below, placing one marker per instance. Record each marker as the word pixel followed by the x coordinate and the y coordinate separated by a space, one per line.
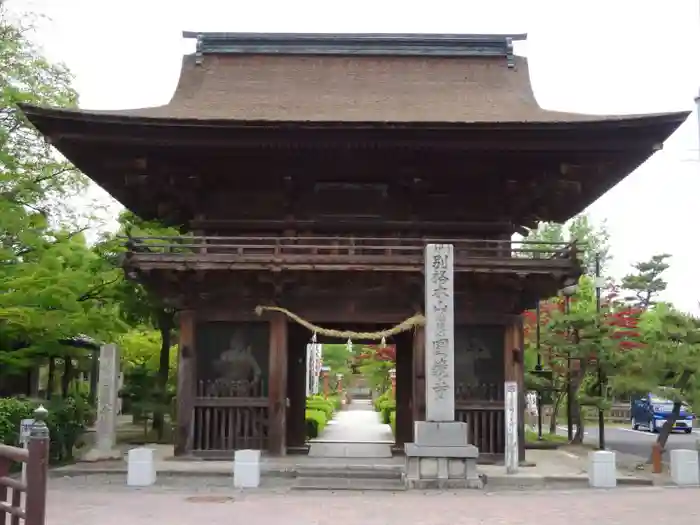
pixel 356 432
pixel 358 423
pixel 637 442
pixel 89 501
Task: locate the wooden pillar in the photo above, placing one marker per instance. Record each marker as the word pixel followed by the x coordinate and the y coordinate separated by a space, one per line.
pixel 515 371
pixel 418 374
pixel 186 384
pixel 404 389
pixel 519 366
pixel 278 384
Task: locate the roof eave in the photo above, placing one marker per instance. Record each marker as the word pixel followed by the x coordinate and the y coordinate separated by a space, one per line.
pixel 55 116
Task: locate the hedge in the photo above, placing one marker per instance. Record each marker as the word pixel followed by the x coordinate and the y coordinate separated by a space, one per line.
pixel 319 411
pixel 315 422
pixel 385 405
pixel 67 421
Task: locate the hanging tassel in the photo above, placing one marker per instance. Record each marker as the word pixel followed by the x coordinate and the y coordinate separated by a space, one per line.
pixel 383 342
pixel 349 345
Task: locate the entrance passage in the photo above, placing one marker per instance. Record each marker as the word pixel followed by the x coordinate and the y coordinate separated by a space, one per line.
pixel 356 432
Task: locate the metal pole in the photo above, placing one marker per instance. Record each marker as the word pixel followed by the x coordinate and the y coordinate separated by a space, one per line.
pixel 569 396
pixel 697 104
pixel 601 374
pixel 539 369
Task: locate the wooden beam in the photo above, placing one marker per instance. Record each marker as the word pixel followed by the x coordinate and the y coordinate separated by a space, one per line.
pixel 278 384
pixel 357 225
pixel 483 139
pixel 186 381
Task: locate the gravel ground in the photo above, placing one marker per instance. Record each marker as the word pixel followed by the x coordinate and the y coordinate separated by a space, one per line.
pixel 186 501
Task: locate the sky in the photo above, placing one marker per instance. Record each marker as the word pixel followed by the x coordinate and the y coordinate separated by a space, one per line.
pixel 593 56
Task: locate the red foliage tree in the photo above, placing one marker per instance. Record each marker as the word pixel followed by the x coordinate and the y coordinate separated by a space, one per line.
pixel 620 321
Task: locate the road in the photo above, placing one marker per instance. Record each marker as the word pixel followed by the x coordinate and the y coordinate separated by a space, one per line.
pixel 637 442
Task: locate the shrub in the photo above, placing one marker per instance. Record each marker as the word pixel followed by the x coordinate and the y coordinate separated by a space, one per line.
pixel 379 400
pixel 68 419
pixel 315 422
pixel 385 405
pixel 392 422
pixel 322 404
pixel 337 401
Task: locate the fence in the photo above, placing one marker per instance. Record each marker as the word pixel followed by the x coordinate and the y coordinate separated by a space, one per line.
pixel 25 499
pixel 618 412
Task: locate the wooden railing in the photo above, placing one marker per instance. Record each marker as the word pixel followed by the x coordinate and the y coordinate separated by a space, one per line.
pixel 481 407
pixel 230 415
pixel 317 252
pixel 25 498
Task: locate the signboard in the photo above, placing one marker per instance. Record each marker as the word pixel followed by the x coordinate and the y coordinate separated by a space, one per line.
pixel 25 429
pixel 314 356
pixel 511 402
pixel 439 333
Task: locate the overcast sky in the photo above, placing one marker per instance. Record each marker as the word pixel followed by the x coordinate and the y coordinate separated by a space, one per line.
pixel 593 56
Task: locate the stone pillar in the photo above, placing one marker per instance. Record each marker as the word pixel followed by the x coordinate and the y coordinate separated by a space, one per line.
pixel 107 396
pixel 441 456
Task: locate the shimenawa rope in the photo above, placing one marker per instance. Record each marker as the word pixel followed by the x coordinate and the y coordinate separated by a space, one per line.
pixel 404 326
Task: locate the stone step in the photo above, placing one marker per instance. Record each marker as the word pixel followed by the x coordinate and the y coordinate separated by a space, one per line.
pixel 349 450
pixel 350 471
pixel 338 483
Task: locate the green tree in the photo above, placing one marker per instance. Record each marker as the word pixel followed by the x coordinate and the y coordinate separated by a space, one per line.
pixel 53 285
pixel 592 239
pixel 139 307
pixel 644 286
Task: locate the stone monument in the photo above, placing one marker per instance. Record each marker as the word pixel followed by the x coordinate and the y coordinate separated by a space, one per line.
pixel 440 456
pixel 107 396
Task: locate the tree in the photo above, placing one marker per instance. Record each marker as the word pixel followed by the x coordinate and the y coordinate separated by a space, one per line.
pixel 139 307
pixel 54 285
pixel 591 239
pixel 644 286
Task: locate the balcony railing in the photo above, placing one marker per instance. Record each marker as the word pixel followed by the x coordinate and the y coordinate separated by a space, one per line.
pixel 343 253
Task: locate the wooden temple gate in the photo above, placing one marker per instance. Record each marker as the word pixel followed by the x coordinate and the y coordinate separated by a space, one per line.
pixel 239 372
pixel 314 181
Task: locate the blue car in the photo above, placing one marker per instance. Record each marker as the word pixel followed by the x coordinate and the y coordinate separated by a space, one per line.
pixel 651 413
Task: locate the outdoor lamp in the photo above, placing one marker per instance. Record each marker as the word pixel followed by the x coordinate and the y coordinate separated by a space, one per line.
pixel 392 373
pixel 570 290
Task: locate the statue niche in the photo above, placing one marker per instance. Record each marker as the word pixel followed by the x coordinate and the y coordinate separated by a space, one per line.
pixel 237 362
pixel 232 359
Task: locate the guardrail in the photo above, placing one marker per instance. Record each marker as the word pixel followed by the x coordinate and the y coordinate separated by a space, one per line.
pixel 32 506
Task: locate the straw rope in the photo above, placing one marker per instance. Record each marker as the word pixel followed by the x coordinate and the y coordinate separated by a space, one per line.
pixel 404 326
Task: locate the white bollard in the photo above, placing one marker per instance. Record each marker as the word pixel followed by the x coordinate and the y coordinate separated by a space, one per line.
pixel 685 470
pixel 141 469
pixel 246 469
pixel 602 469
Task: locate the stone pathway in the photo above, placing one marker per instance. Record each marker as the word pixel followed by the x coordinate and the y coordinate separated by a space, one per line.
pixel 356 432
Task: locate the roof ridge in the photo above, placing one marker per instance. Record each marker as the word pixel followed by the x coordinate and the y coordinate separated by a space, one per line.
pixel 357 44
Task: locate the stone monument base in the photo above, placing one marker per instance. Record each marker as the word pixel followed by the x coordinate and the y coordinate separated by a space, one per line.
pixel 441 458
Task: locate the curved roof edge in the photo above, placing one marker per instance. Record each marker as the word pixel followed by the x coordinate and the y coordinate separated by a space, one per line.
pixel 126 119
